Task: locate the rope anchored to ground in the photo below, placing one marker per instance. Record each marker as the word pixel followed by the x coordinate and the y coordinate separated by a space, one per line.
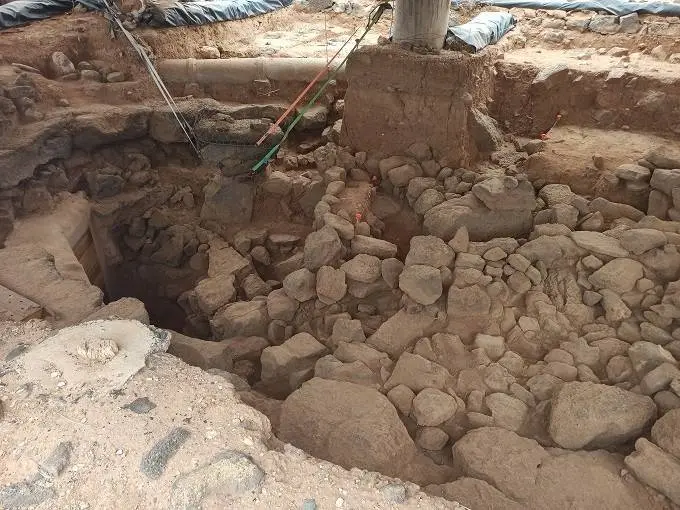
pixel 113 14
pixel 373 18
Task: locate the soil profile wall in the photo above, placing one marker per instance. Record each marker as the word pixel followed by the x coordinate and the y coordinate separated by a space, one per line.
pixel 396 98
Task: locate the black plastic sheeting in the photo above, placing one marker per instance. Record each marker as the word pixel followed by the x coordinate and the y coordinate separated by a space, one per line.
pixel 484 29
pixel 202 12
pixel 20 12
pixel 615 7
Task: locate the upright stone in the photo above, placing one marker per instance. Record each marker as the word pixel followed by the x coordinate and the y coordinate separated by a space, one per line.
pixel 228 200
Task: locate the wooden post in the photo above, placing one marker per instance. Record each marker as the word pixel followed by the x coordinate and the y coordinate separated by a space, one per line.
pixel 421 22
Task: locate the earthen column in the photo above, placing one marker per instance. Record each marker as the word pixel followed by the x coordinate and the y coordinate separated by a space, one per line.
pixel 421 22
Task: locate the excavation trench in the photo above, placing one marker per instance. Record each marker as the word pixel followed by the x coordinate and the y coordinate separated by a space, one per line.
pixel 404 307
pixel 152 244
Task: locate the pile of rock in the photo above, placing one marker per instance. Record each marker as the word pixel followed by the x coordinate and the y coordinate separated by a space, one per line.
pixel 18 102
pixel 518 311
pixel 62 68
pixel 662 165
pixel 519 334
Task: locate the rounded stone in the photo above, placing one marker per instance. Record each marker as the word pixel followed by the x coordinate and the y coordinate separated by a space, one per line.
pixel 432 407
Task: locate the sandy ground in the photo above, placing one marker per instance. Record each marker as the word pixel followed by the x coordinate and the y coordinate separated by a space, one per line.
pixel 109 461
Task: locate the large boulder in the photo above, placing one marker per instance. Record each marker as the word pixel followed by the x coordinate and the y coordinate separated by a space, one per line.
pixel 507 412
pixel 588 415
pixel 664 156
pixel 553 194
pixel 372 246
pixel 525 472
pixel 214 293
pixel 401 331
pixel 300 285
pixel 357 427
pixel 418 373
pixel 245 348
pixel 200 353
pixel 632 172
pixel 54 282
pixel 482 223
pixel 502 458
pixel 589 480
pixel 344 228
pixel 228 199
pixel 347 330
pixel 474 493
pixel 60 65
pixel 665 180
pixel 277 183
pixel 505 194
pixel 280 306
pixel 484 131
pixel 656 468
pixel 468 311
pixel 286 365
pixel 432 407
pixel 599 244
pixel 422 283
pixel 619 275
pixel 646 356
pixel 224 261
pixel 429 251
pixel 245 318
pixel 447 350
pixel 322 248
pixel 123 308
pixel 331 285
pixel 666 432
pixel 362 268
pixel 640 240
pixel 350 352
pixel 329 367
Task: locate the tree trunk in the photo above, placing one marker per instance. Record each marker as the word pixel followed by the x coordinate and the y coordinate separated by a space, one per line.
pixel 421 22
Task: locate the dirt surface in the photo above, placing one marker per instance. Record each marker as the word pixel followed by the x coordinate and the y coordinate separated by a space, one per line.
pixel 205 406
pixel 291 32
pixel 590 60
pixel 570 152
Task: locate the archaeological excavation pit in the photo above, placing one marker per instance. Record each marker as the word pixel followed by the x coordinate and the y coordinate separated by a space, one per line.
pixel 450 279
